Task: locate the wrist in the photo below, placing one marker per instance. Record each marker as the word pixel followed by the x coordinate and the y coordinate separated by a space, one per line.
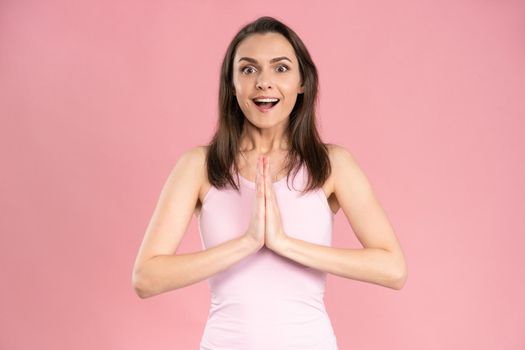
pixel 282 246
pixel 250 243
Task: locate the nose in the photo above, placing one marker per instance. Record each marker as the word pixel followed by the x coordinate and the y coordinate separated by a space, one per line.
pixel 263 82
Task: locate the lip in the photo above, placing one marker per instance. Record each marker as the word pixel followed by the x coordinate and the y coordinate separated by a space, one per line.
pixel 261 96
pixel 262 109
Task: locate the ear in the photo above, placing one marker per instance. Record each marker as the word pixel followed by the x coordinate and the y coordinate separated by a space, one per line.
pixel 301 89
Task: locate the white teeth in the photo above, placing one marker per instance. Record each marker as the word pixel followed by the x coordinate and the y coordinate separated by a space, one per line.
pixel 266 99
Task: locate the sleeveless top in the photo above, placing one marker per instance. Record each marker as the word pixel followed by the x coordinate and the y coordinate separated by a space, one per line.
pixel 266 301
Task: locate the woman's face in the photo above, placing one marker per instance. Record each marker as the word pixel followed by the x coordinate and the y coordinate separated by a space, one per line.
pixel 266 65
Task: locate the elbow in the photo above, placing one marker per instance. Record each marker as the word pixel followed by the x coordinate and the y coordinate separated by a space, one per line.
pixel 398 273
pixel 140 285
pixel 399 277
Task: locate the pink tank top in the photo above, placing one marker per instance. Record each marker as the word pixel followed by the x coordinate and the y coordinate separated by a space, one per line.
pixel 266 301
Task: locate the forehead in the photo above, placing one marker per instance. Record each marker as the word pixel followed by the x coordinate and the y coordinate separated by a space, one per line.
pixel 264 47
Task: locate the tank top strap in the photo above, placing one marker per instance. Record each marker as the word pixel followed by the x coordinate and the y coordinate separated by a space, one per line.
pixel 296 182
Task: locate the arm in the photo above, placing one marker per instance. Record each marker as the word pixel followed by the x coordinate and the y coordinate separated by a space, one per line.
pixel 381 261
pixel 375 265
pixel 157 268
pixel 163 273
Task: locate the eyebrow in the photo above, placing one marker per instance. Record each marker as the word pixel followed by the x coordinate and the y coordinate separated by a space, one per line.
pixel 276 59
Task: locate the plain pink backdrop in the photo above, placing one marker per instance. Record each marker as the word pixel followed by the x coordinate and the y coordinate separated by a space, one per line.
pixel 98 99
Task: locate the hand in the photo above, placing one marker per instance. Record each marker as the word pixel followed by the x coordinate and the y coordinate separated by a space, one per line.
pixel 275 238
pixel 257 222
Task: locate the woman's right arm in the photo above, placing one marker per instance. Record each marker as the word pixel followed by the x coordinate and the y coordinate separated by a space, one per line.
pixel 158 268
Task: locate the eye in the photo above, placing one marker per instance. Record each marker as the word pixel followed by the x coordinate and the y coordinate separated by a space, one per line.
pixel 244 70
pixel 283 66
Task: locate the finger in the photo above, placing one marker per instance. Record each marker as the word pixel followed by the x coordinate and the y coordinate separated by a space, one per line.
pixel 268 195
pixel 268 180
pixel 260 178
pixel 262 189
pixel 271 199
pixel 264 177
pixel 257 219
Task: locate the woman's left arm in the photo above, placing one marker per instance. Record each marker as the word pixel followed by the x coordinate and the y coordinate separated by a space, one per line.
pixel 381 261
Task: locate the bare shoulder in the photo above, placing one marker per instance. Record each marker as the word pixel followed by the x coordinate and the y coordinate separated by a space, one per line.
pixel 198 155
pixel 342 161
pixel 338 152
pixel 192 163
pixel 193 160
pixel 351 185
pixel 198 152
pixel 335 153
pixel 345 177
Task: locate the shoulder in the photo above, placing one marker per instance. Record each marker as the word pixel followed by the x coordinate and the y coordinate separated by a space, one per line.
pixel 197 152
pixel 193 158
pixel 190 170
pixel 192 164
pixel 345 167
pixel 340 156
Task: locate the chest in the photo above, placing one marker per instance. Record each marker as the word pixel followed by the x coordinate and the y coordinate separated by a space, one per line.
pixel 225 215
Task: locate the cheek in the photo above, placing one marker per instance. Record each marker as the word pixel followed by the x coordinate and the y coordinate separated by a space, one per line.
pixel 246 104
pixel 243 101
pixel 291 92
pixel 241 89
pixel 290 86
pixel 236 84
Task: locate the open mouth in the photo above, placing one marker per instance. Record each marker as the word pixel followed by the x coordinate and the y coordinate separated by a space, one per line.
pixel 266 105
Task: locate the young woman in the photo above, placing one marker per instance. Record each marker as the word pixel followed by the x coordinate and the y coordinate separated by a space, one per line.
pixel 265 192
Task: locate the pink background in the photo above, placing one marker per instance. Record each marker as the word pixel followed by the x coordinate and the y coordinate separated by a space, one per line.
pixel 98 99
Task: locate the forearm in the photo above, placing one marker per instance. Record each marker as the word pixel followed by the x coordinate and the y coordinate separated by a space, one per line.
pixel 168 272
pixel 372 265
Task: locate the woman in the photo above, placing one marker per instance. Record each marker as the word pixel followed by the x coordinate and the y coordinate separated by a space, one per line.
pixel 265 191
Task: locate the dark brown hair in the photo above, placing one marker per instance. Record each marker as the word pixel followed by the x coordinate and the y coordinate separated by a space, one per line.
pixel 306 147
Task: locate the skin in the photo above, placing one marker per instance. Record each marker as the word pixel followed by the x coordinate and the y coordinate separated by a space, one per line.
pixel 158 268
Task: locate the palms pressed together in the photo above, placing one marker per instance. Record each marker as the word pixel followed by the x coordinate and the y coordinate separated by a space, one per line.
pixel 266 225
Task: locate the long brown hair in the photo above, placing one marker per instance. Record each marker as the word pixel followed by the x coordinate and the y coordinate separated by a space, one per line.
pixel 306 147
